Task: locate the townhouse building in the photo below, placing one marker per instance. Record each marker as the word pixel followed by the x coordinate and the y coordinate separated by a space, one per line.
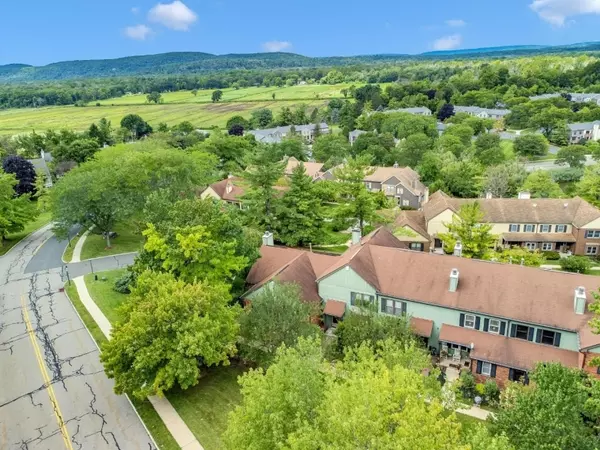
pixel 585 131
pixel 563 225
pixel 277 134
pixel 402 184
pixel 417 111
pixel 482 113
pixel 496 320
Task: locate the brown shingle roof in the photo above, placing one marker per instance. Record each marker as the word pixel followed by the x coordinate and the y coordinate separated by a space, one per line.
pixel 312 168
pixel 514 292
pixel 574 211
pixel 408 177
pixel 414 220
pixel 383 237
pixel 421 327
pixel 538 237
pixel 233 194
pixel 335 308
pixel 508 352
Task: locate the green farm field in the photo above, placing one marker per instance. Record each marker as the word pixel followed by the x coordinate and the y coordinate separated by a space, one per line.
pixel 201 115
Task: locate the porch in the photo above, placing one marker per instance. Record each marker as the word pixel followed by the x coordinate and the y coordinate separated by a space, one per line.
pixel 563 243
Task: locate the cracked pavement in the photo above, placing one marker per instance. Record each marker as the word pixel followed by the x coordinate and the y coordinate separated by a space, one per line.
pixel 54 394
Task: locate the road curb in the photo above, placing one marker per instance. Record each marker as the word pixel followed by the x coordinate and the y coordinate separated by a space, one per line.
pixel 25 237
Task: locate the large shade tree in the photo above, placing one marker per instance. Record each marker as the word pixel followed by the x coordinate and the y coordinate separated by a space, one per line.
pixel 15 211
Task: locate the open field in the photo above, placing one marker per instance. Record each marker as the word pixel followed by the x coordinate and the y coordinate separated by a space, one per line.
pixel 252 94
pixel 201 115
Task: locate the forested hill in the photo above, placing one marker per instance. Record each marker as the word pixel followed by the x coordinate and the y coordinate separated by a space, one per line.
pixel 196 62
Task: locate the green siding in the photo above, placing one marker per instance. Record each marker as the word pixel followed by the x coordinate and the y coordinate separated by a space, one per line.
pixel 340 284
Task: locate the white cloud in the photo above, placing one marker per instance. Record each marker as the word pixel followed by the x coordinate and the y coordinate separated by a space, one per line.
pixel 448 42
pixel 135 10
pixel 557 11
pixel 276 46
pixel 174 15
pixel 138 32
pixel 456 23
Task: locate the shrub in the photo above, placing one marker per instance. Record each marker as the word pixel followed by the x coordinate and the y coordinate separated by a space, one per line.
pixel 491 392
pixel 551 256
pixel 579 264
pixel 467 384
pixel 124 284
pixel 479 389
pixel 570 174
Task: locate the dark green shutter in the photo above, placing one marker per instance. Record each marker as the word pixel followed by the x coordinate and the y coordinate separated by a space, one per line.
pixel 479 364
pixel 511 374
pixel 403 308
pixel 530 334
pixel 477 322
pixel 352 298
pixel 461 321
pixel 503 328
pixel 513 330
pixel 538 336
pixel 493 371
pixel 557 339
pixel 383 303
pixel 486 324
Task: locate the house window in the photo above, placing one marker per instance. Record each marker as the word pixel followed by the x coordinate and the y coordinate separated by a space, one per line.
pixel 522 332
pixel 494 326
pixel 486 368
pixel 358 299
pixel 389 189
pixel 514 228
pixel 469 321
pixel 394 307
pixel 547 246
pixel 368 184
pixel 399 191
pixel 529 228
pixel 417 246
pixel 405 203
pixel 530 245
pixel 591 250
pixel 592 234
pixel 547 337
pixel 561 228
pixel 545 228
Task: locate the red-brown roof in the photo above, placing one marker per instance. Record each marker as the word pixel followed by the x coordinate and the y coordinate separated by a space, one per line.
pixel 312 168
pixel 515 292
pixel 383 237
pixel 235 191
pixel 335 308
pixel 421 327
pixel 504 351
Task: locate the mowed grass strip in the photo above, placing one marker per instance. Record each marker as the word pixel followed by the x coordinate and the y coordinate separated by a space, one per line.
pixel 128 240
pixel 14 121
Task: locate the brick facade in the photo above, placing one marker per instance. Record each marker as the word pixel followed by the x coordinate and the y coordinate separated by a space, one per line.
pixel 501 374
pixel 584 360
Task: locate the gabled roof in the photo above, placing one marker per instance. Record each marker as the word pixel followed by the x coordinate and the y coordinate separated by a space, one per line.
pixel 583 125
pixel 313 169
pixel 383 237
pixel 478 110
pixel 233 194
pixel 508 352
pixel 409 178
pixel 413 219
pixel 413 110
pixel 575 211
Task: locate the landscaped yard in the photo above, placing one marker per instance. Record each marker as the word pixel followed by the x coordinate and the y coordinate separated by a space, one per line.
pixel 107 299
pixel 14 238
pixel 127 240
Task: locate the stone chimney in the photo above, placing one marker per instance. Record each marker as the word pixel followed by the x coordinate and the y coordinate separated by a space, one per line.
pixel 453 280
pixel 489 195
pixel 268 239
pixel 579 300
pixel 356 236
pixel 524 195
pixel 458 249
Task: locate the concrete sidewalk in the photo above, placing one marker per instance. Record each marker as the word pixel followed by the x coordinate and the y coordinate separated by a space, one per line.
pixel 174 423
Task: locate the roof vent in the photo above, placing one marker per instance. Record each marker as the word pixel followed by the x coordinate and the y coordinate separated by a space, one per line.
pixel 458 249
pixel 524 195
pixel 566 205
pixel 489 195
pixel 453 280
pixel 396 165
pixel 268 239
pixel 356 236
pixel 579 300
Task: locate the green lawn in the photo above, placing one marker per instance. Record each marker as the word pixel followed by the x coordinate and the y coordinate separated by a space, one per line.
pixel 146 411
pixel 14 238
pixel 127 240
pixel 107 299
pixel 205 407
pixel 68 253
pixel 468 422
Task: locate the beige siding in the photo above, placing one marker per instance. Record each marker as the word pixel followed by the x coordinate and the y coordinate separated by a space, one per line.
pixel 209 193
pixel 436 224
pixel 593 225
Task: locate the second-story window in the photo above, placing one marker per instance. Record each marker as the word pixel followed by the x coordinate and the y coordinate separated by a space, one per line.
pixel 548 337
pixel 359 299
pixel 494 326
pixel 545 228
pixel 522 332
pixel 592 234
pixel 469 321
pixel 561 228
pixel 514 228
pixel 394 307
pixel 529 228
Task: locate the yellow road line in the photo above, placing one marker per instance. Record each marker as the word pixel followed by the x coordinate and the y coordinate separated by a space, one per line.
pixel 46 377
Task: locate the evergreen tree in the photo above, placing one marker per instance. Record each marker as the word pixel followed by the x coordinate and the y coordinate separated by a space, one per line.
pixel 469 227
pixel 299 215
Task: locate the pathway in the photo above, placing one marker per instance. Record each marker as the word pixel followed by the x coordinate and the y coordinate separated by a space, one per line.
pixel 174 423
pixel 78 246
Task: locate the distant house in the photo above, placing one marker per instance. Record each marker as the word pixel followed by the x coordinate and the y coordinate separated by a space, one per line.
pixel 353 135
pixel 417 111
pixel 441 127
pixel 482 113
pixel 401 183
pixel 578 97
pixel 589 131
pixel 229 190
pixel 41 165
pixel 313 169
pixel 410 228
pixel 276 135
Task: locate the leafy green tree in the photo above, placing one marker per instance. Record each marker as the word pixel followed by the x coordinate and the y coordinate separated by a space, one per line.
pixel 451 143
pixel 469 228
pixel 331 149
pixel 530 145
pixel 261 198
pixel 504 180
pixel 238 120
pixel 169 331
pixel 194 92
pixel 217 96
pixel 231 151
pixel 15 211
pixel 101 132
pixel 78 151
pixel 24 173
pixel 577 264
pixel 292 146
pixel 560 134
pixel 551 413
pixel 573 155
pixel 154 97
pixel 540 185
pixel 549 119
pixel 276 315
pixel 463 132
pixel 516 255
pixel 299 213
pixel 445 112
pixel 589 186
pixel 261 118
pixel 462 178
pixel 137 126
pixel 413 148
pixel 487 149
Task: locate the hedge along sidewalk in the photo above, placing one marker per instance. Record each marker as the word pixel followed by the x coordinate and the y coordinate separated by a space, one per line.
pixel 176 426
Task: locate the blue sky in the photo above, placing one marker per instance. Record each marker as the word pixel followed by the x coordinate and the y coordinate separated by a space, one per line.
pixel 40 31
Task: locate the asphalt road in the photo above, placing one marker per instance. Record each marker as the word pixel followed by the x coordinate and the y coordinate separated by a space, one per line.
pixel 54 393
pixel 549 165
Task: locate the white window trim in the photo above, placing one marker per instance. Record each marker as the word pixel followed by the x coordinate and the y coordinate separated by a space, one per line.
pixel 547 249
pixel 545 228
pixel 527 226
pixel 474 319
pixel 510 228
pixel 490 326
pixel 483 371
pixel 593 246
pixel 564 228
